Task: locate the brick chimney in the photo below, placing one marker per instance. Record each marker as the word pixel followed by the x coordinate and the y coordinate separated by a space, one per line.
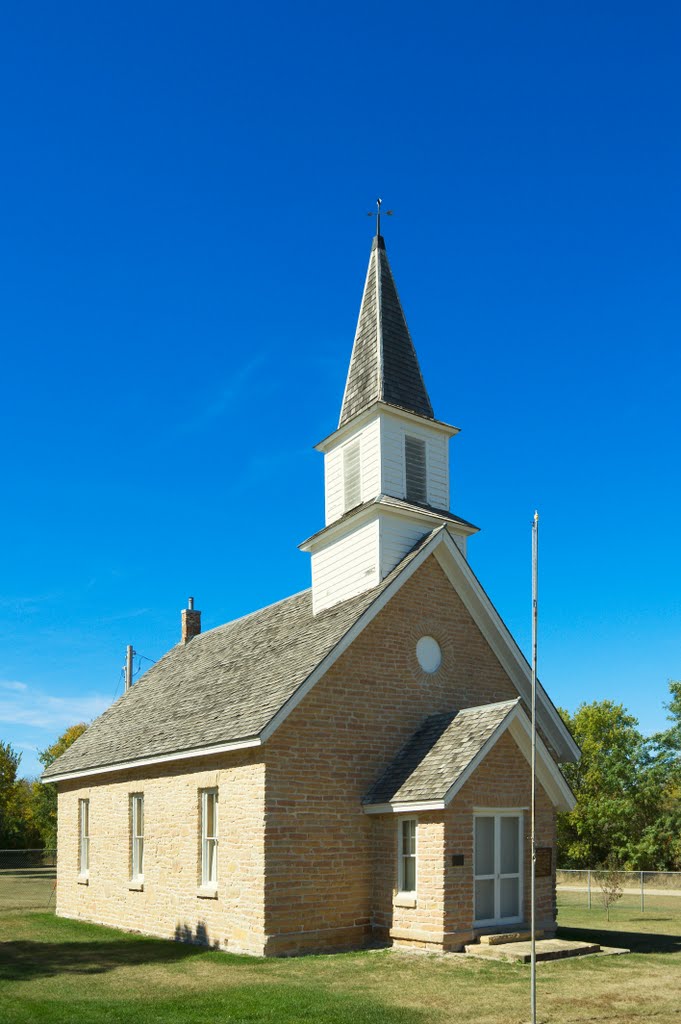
pixel 191 622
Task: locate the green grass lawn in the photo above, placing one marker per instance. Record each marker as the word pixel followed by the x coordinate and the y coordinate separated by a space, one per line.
pixel 27 887
pixel 59 971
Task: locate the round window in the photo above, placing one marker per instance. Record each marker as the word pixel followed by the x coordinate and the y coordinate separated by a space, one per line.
pixel 429 654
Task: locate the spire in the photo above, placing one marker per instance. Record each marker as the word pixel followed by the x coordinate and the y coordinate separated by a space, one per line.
pixel 383 365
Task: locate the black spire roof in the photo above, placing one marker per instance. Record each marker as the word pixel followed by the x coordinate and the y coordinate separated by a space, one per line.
pixel 383 366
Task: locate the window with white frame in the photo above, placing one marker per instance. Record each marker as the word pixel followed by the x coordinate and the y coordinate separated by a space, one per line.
pixel 209 837
pixel 84 833
pixel 137 836
pixel 406 865
pixel 352 480
pixel 415 470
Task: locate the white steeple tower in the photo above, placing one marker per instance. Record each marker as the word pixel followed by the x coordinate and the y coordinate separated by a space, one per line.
pixel 386 466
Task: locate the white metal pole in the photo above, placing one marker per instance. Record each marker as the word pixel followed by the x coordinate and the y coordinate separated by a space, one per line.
pixel 533 937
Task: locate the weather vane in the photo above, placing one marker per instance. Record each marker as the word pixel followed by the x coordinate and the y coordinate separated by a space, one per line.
pixel 377 215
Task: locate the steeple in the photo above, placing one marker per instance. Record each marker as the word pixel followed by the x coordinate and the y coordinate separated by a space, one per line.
pixel 386 466
pixel 383 365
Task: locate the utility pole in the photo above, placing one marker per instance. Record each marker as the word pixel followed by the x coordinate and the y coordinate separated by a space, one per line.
pixel 128 666
pixel 533 843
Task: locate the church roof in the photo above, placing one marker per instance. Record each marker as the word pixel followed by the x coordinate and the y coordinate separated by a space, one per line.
pixel 230 687
pixel 223 686
pixel 383 365
pixel 446 749
pixel 438 753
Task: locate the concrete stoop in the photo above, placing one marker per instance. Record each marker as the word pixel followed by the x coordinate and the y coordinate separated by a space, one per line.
pixel 520 950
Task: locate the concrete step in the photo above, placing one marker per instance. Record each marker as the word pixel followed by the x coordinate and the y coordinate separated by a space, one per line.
pixel 499 938
pixel 521 952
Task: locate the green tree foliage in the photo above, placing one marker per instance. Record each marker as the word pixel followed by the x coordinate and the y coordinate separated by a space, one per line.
pixel 17 830
pixel 45 794
pixel 665 834
pixel 628 790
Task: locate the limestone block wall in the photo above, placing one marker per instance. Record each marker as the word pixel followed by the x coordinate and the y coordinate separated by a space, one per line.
pixel 401 920
pixel 169 903
pixel 443 913
pixel 320 846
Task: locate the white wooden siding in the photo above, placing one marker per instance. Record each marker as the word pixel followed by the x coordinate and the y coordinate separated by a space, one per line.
pixel 370 468
pixel 333 484
pixel 397 537
pixel 393 431
pixel 345 568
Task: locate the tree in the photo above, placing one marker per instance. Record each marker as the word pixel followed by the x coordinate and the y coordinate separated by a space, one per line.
pixel 619 786
pixel 665 835
pixel 610 880
pixel 670 739
pixel 45 794
pixel 9 820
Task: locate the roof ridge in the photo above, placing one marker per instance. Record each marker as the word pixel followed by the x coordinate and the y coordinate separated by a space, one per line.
pixel 256 611
pixel 495 704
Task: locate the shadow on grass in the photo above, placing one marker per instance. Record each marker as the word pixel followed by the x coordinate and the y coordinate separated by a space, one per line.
pixel 637 942
pixel 24 960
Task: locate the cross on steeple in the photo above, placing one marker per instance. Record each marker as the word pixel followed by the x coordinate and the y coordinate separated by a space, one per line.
pixel 377 215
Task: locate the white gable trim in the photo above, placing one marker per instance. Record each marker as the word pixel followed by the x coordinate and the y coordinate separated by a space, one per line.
pixel 498 636
pixel 486 617
pixel 548 774
pixel 370 613
pixel 405 808
pixel 484 614
pixel 141 762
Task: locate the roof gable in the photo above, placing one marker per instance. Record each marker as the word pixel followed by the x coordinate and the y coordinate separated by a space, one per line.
pixel 444 752
pixel 233 686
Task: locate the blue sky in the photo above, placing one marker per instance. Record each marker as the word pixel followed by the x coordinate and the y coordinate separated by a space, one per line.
pixel 184 242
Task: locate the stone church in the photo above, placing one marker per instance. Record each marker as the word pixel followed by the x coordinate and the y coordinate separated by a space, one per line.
pixel 349 765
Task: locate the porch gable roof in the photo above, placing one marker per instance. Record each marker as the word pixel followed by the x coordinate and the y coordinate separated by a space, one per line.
pixel 445 751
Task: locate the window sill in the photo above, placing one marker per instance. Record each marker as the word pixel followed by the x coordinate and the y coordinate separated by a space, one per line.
pixel 404 899
pixel 83 880
pixel 207 892
pixel 136 885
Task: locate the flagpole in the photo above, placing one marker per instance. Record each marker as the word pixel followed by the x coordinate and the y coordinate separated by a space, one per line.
pixel 533 841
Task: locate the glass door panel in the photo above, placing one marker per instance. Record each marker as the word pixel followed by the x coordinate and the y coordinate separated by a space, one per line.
pixel 484 846
pixel 497 868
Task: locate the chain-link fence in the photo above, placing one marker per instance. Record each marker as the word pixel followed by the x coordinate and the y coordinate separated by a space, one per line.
pixel 28 879
pixel 642 891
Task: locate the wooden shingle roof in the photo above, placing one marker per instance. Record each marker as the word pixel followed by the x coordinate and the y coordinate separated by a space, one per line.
pixel 223 687
pixel 438 753
pixel 383 365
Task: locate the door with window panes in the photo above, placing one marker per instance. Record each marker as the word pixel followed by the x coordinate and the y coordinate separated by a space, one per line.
pixel 497 858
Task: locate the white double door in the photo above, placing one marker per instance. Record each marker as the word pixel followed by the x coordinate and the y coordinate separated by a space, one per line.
pixel 497 859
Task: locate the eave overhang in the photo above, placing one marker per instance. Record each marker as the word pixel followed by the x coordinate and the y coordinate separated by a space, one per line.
pixel 431 518
pixel 143 762
pixel 362 418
